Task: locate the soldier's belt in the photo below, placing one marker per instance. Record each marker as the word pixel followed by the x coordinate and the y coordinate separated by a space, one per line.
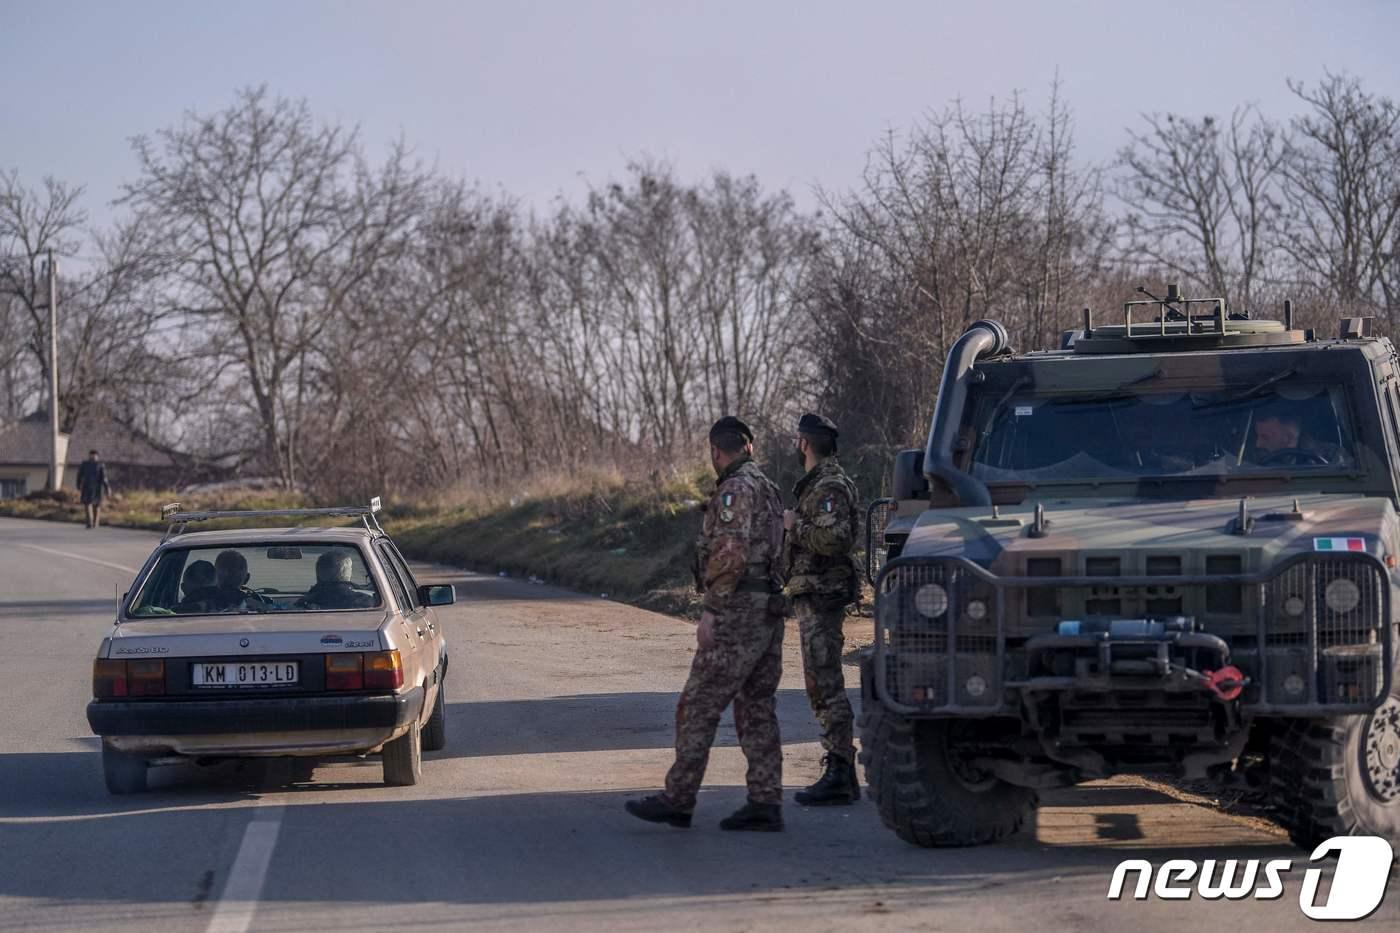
pixel 756 586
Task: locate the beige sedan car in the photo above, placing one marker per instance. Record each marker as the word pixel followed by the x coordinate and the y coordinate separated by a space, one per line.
pixel 270 642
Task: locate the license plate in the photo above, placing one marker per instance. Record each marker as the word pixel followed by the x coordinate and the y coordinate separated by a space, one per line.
pixel 246 674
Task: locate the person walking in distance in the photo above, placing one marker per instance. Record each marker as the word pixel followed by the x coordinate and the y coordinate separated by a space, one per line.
pixel 739 658
pixel 93 487
pixel 822 582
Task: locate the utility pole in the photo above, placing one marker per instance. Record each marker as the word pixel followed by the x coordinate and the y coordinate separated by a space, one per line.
pixel 56 457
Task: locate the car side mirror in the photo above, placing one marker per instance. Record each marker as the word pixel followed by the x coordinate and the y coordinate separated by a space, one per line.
pixel 442 595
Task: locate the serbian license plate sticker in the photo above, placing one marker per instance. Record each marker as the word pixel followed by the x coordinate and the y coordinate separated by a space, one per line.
pixel 247 674
pixel 1339 544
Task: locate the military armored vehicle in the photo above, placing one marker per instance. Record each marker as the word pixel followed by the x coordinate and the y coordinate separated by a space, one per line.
pixel 1169 545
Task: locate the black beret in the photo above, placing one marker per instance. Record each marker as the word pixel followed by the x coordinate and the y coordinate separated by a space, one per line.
pixel 731 425
pixel 812 423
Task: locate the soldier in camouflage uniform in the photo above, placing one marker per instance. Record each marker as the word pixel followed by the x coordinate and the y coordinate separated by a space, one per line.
pixel 822 582
pixel 740 655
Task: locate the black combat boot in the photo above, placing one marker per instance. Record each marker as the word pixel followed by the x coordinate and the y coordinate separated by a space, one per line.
pixel 657 809
pixel 755 817
pixel 838 786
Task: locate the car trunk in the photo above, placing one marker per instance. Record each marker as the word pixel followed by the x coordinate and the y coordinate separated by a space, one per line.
pixel 238 656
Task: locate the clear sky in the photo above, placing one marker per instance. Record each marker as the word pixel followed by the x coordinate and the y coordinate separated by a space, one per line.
pixel 536 97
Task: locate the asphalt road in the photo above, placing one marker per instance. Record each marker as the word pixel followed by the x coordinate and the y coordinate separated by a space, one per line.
pixel 561 710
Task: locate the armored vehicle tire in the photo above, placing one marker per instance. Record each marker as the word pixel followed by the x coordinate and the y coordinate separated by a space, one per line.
pixel 403 758
pixel 123 772
pixel 925 795
pixel 435 732
pixel 1339 776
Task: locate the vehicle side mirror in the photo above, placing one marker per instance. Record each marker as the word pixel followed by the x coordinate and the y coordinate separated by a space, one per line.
pixel 442 595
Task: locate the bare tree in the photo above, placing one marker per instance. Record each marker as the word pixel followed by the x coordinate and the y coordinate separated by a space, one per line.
pixel 107 321
pixel 269 221
pixel 974 214
pixel 1199 196
pixel 1341 221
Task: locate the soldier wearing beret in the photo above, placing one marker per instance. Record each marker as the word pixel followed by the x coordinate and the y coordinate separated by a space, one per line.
pixel 740 653
pixel 822 582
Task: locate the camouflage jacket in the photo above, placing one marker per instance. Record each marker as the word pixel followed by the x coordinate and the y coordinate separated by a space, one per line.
pixel 818 557
pixel 740 546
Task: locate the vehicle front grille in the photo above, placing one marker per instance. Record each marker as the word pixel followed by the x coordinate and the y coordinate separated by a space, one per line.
pixel 1325 635
pixel 923 609
pixel 1226 607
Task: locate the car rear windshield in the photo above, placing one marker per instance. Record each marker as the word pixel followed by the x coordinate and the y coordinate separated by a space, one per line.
pixel 1284 426
pixel 257 578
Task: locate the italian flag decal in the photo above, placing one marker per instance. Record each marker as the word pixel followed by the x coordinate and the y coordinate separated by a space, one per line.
pixel 1339 544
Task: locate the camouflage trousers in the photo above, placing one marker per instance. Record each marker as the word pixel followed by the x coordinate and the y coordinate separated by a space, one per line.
pixel 822 642
pixel 743 667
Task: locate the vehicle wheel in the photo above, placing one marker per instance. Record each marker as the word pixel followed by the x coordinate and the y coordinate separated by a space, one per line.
pixel 435 732
pixel 1339 776
pixel 403 758
pixel 124 772
pixel 926 794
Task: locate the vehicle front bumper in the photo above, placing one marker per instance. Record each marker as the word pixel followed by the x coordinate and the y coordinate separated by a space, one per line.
pixel 273 725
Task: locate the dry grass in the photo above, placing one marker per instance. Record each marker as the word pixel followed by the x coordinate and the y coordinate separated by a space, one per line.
pixel 595 531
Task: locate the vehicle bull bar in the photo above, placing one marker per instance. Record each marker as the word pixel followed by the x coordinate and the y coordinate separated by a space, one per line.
pixel 963 661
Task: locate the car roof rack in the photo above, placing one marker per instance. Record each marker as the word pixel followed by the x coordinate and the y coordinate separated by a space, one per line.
pixel 178 520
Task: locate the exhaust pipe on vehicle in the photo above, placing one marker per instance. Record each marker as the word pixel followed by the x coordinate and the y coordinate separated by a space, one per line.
pixel 982 339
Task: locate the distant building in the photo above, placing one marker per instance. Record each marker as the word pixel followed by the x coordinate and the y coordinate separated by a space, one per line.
pixel 131 461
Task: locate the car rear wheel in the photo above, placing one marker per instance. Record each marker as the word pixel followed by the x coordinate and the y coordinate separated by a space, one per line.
pixel 435 732
pixel 124 772
pixel 403 758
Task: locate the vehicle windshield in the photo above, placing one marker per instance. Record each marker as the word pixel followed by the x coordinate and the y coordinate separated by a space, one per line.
pixel 1278 425
pixel 257 578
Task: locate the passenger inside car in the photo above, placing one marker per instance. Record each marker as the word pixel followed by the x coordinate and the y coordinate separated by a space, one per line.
pixel 198 582
pixel 230 579
pixel 333 589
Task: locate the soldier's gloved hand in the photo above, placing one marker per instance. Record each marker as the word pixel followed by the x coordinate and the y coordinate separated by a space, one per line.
pixel 705 631
pixel 789 519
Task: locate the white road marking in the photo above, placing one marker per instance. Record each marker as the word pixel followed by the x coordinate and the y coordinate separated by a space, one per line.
pixel 238 903
pixel 70 555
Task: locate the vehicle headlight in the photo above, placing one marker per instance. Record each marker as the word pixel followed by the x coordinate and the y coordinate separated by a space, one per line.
pixel 976 610
pixel 931 600
pixel 1294 606
pixel 1342 595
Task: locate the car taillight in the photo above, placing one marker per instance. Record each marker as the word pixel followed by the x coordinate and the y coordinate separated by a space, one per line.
pixel 108 679
pixel 345 672
pixel 383 670
pixel 145 678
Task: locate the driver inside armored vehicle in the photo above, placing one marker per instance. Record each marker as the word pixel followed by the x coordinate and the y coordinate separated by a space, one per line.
pixel 1067 436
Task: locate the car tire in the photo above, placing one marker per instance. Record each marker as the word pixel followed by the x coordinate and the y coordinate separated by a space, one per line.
pixel 1338 776
pixel 435 732
pixel 403 758
pixel 124 772
pixel 921 792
